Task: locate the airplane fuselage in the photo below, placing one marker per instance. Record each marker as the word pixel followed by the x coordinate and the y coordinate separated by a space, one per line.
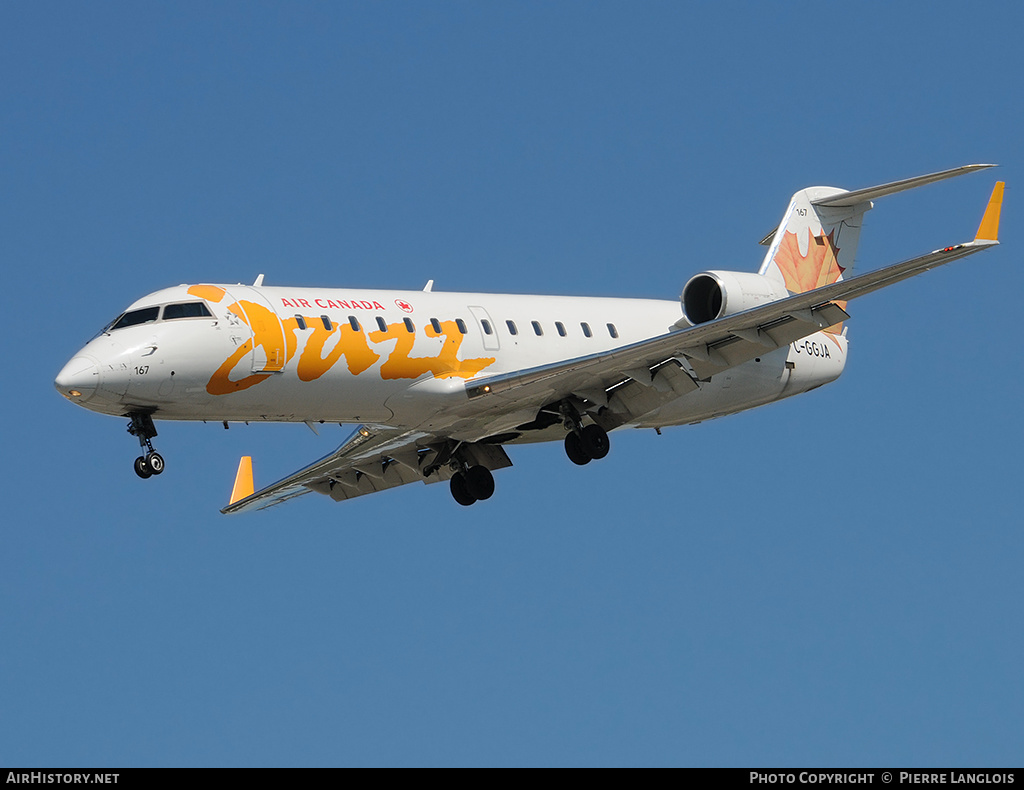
pixel 399 358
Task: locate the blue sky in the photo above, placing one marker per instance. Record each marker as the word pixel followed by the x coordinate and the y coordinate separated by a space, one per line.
pixel 832 580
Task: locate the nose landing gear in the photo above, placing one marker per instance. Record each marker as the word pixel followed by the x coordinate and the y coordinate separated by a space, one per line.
pixel 150 462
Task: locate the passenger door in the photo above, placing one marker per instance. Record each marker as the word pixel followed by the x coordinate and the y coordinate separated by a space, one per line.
pixel 268 352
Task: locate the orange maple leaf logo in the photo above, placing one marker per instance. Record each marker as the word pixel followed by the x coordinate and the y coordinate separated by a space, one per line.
pixel 818 267
pixel 806 272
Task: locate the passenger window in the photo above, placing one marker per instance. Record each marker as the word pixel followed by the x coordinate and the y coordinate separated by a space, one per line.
pixel 381 324
pixel 461 325
pixel 612 330
pixel 300 321
pixel 135 317
pixel 560 327
pixel 354 323
pixel 409 326
pixel 436 325
pixel 327 323
pixel 190 310
pixel 537 328
pixel 512 327
pixel 486 326
pixel 586 329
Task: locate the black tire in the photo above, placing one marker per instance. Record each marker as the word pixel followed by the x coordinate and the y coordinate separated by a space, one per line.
pixel 460 492
pixel 155 462
pixel 142 468
pixel 594 442
pixel 574 450
pixel 480 482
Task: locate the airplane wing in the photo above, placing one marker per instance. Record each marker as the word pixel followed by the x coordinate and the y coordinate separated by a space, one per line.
pixel 373 458
pixel 720 344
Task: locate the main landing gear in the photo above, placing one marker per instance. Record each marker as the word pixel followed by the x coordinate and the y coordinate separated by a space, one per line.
pixel 150 462
pixel 471 481
pixel 583 443
pixel 474 484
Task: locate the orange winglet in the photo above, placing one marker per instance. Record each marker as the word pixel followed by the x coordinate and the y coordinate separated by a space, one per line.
pixel 243 480
pixel 989 228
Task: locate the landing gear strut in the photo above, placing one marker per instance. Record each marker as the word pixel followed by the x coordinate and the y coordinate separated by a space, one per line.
pixel 583 443
pixel 150 462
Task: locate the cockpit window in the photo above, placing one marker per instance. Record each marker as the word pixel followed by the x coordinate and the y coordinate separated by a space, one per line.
pixel 187 310
pixel 145 315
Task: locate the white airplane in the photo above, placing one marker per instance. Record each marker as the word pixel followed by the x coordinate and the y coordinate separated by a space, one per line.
pixel 442 382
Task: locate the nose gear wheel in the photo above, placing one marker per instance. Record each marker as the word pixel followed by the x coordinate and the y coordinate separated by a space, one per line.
pixel 142 468
pixel 150 462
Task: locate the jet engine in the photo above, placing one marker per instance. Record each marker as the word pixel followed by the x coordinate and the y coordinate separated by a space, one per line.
pixel 710 295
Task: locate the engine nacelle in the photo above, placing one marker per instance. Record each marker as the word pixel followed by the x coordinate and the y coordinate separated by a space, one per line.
pixel 711 295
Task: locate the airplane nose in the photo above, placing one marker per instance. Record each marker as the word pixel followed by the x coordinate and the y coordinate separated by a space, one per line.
pixel 79 379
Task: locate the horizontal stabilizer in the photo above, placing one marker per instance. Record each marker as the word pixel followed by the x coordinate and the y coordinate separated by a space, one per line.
pixel 860 196
pixel 864 195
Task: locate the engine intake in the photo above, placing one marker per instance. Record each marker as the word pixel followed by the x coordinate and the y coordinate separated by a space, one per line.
pixel 710 295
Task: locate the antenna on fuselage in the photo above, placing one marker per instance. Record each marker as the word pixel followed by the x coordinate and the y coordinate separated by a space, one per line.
pixel 429 286
pixel 259 282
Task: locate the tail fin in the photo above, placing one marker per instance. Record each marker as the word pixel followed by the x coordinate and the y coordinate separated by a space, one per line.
pixel 815 243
